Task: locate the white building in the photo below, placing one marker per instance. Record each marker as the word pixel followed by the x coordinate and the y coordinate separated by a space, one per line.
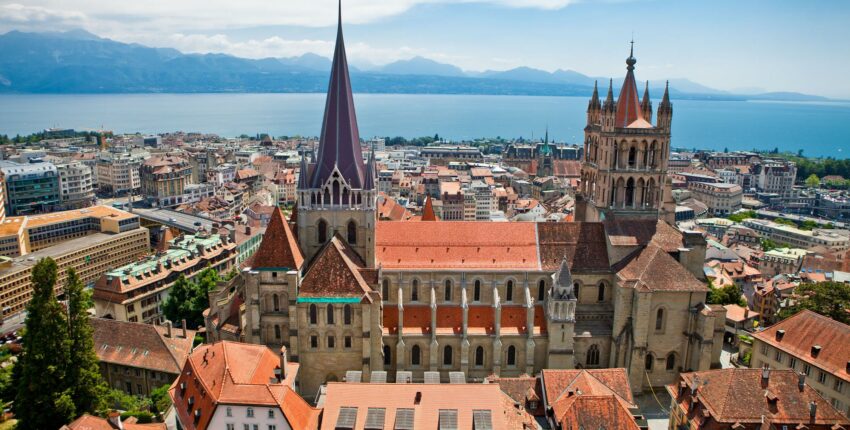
pixel 76 185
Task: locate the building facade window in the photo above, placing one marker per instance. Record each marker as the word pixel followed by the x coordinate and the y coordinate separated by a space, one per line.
pixel 447 355
pixel 352 232
pixel 541 290
pixel 385 289
pixel 414 290
pixel 671 361
pixel 479 356
pixel 511 358
pixel 322 230
pixel 415 355
pixel 330 311
pixel 346 315
pixel 592 355
pixel 447 291
pixel 659 319
pixel 649 362
pixel 313 315
pixel 509 291
pixel 388 359
pixel 600 296
pixel 476 291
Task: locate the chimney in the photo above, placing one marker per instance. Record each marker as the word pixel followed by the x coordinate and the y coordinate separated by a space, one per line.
pixel 283 362
pixel 815 350
pixel 168 329
pixel 813 409
pixel 779 335
pixel 746 313
pixel 801 381
pixel 184 328
pixel 765 375
pixel 115 420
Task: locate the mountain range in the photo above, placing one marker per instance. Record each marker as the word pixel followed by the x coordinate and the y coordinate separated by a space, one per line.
pixel 80 62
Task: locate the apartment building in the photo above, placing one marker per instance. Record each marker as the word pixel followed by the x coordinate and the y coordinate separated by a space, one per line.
pixel 135 292
pixel 781 261
pixel 118 171
pixel 776 176
pixel 30 188
pixel 164 179
pixel 139 358
pixel 453 202
pixel 90 256
pixel 722 199
pixel 76 185
pixel 812 345
pixel 834 240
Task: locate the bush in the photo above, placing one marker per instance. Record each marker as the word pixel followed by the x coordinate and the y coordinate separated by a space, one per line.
pixel 747 357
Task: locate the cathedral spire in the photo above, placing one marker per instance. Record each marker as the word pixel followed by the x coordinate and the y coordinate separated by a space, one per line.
pixel 665 101
pixel 339 144
pixel 609 100
pixel 594 100
pixel 628 105
pixel 646 104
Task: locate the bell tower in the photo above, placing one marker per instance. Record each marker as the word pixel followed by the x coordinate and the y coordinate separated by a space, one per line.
pixel 624 169
pixel 561 318
pixel 337 192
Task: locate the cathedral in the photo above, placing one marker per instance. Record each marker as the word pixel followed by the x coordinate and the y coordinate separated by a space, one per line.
pixel 345 292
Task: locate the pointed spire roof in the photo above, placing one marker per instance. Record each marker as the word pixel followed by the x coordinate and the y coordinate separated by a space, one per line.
pixel 628 105
pixel 335 272
pixel 428 212
pixel 165 239
pixel 303 174
pixel 665 101
pixel 609 100
pixel 564 277
pixel 371 172
pixel 646 103
pixel 339 144
pixel 293 217
pixel 279 250
pixel 594 100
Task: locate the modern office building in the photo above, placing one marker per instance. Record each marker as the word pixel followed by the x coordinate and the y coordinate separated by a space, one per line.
pixel 30 188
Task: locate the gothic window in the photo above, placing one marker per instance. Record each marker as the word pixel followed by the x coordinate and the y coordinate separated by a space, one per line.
pixel 671 361
pixel 447 355
pixel 330 314
pixel 323 231
pixel 511 356
pixel 593 355
pixel 313 314
pixel 388 359
pixel 385 289
pixel 416 355
pixel 336 192
pixel 476 292
pixel 447 291
pixel 414 291
pixel 630 191
pixel 331 342
pixel 352 232
pixel 649 362
pixel 616 156
pixel 327 199
pixel 509 291
pixel 541 290
pixel 632 156
pixel 479 356
pixel 275 303
pixel 576 289
pixel 276 331
pixel 659 319
pixel 600 296
pixel 346 315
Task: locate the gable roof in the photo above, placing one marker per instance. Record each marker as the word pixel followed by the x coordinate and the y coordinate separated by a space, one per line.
pixel 141 345
pixel 581 243
pixel 652 269
pixel 428 212
pixel 593 412
pixel 279 249
pixel 806 329
pixel 335 272
pixel 564 383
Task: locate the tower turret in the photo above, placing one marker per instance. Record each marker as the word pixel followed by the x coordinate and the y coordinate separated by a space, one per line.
pixel 594 106
pixel 646 104
pixel 665 109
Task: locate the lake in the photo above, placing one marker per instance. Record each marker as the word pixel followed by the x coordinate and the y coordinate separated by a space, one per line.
pixel 819 129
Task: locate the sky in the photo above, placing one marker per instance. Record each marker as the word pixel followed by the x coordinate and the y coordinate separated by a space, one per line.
pixel 736 45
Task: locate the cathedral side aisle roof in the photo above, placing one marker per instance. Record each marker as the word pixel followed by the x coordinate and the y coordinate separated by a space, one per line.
pixel 335 273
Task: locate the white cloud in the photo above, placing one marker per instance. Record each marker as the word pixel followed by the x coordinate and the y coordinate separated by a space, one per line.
pixel 15 13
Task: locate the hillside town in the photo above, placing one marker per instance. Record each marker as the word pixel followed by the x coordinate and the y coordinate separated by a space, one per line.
pixel 341 282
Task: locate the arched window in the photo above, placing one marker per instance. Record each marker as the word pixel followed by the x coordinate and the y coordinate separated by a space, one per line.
pixel 600 295
pixel 511 356
pixel 632 156
pixel 385 290
pixel 447 355
pixel 671 361
pixel 388 359
pixel 275 303
pixel 659 319
pixel 649 362
pixel 352 233
pixel 479 356
pixel 447 290
pixel 476 292
pixel 630 192
pixel 509 291
pixel 414 291
pixel 330 314
pixel 576 289
pixel 415 355
pixel 313 314
pixel 276 331
pixel 346 315
pixel 592 355
pixel 323 231
pixel 541 290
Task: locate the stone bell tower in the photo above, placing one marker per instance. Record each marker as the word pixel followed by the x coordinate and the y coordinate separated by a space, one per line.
pixel 561 318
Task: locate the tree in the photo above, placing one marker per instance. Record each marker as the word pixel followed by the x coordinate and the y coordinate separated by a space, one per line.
pixel 42 401
pixel 83 373
pixel 741 216
pixel 727 295
pixel 160 399
pixel 768 245
pixel 812 181
pixel 831 299
pixel 188 299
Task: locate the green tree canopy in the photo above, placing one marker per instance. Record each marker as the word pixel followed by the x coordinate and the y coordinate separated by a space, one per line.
pixel 812 181
pixel 188 299
pixel 727 295
pixel 83 373
pixel 831 299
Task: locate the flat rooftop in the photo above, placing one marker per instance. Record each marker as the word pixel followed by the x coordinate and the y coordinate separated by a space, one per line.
pixel 185 222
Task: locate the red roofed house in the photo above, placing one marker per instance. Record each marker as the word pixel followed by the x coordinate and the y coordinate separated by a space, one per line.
pixel 813 344
pixel 750 399
pixel 395 299
pixel 229 385
pixel 114 422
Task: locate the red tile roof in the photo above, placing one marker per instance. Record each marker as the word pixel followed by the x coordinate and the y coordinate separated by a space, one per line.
pixel 279 249
pixel 559 384
pixel 428 212
pixel 583 245
pixel 729 396
pixel 581 412
pixel 89 422
pixel 806 329
pixel 335 272
pixel 653 269
pixel 140 345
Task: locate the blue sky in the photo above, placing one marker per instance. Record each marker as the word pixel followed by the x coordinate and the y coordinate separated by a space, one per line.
pixel 771 45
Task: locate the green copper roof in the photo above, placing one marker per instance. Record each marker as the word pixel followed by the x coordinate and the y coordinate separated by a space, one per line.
pixel 328 300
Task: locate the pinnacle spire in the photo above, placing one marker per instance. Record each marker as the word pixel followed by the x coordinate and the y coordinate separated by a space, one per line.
pixel 666 99
pixel 428 211
pixel 609 100
pixel 628 105
pixel 339 144
pixel 594 100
